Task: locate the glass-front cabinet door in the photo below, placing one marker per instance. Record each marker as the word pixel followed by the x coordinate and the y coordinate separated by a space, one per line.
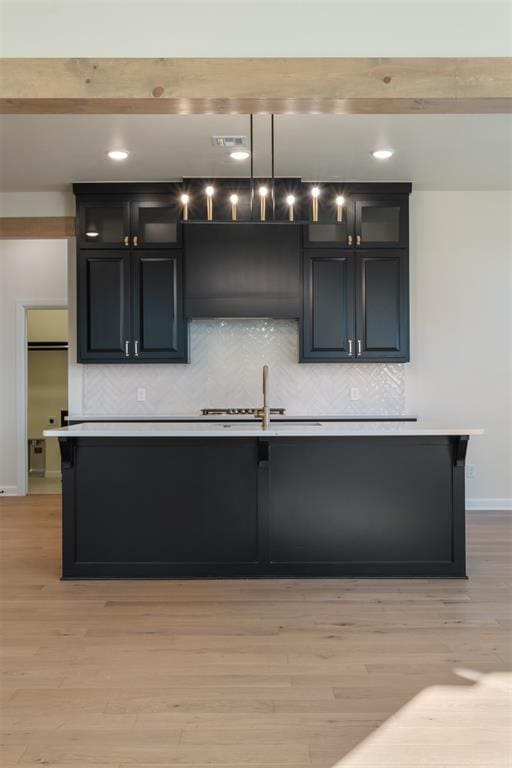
pixel 155 224
pixel 104 223
pixel 382 223
pixel 334 229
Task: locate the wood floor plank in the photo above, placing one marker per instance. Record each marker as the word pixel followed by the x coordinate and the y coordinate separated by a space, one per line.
pixel 275 673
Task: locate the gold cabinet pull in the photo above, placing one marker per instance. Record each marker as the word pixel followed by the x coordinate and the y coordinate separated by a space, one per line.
pixel 349 240
pixel 350 347
pixel 358 240
pixel 126 240
pixel 135 240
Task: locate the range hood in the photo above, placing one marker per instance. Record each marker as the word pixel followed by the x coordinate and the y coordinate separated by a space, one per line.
pixel 242 270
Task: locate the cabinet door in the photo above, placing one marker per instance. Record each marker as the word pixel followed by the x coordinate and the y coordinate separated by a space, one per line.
pixel 158 329
pixel 328 319
pixel 329 233
pixel 382 301
pixel 103 312
pixel 382 222
pixel 156 223
pixel 103 222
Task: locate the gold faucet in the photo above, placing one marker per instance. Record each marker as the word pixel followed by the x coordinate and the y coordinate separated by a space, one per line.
pixel 264 413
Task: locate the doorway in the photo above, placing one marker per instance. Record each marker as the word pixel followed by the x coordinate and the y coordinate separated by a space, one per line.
pixel 47 395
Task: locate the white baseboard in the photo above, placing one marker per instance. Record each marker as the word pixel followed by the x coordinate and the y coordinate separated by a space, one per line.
pixel 8 490
pixel 492 505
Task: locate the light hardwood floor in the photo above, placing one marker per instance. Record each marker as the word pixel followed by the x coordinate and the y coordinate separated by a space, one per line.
pixel 287 674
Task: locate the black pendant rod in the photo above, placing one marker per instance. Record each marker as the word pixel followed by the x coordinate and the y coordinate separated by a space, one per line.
pixel 272 161
pixel 252 162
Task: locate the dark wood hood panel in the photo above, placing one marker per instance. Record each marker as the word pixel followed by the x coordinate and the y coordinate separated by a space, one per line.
pixel 243 270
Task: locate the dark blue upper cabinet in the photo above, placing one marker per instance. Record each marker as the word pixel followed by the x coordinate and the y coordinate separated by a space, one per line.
pixel 328 323
pixel 155 223
pixel 158 326
pixel 382 305
pixel 130 274
pixel 103 222
pixel 382 222
pixel 356 282
pixel 103 306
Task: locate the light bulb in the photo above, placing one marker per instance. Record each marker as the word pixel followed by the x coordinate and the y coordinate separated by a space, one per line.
pixel 118 154
pixel 382 154
pixel 209 191
pixel 184 199
pixel 92 234
pixel 263 191
pixel 315 192
pixel 339 207
pixel 233 199
pixel 290 199
pixel 239 154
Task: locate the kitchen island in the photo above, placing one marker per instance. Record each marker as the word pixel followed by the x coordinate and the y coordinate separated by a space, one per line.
pixel 178 500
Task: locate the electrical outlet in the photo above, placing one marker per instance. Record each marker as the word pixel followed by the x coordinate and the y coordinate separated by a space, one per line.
pixel 141 394
pixel 354 393
pixel 51 421
pixel 470 471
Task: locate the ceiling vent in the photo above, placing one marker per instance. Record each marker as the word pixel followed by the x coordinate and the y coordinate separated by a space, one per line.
pixel 228 142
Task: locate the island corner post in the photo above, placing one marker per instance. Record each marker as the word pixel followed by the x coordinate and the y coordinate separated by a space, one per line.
pixel 258 506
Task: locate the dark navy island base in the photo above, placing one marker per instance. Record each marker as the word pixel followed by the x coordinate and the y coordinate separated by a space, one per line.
pixel 179 507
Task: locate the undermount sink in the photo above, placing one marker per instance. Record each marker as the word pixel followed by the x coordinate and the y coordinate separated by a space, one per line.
pixel 273 425
pixel 293 424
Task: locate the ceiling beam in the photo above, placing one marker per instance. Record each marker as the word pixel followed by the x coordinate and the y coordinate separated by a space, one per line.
pixel 263 85
pixel 37 228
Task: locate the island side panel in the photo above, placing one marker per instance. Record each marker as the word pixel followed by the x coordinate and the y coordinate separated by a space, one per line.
pixel 378 506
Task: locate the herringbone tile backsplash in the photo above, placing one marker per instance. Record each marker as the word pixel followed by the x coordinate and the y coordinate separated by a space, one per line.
pixel 227 356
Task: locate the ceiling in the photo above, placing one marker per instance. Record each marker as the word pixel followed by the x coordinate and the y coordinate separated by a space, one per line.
pixel 48 152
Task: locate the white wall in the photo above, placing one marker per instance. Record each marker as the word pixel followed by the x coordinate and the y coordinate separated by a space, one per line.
pixel 45 203
pixel 152 28
pixel 30 271
pixel 461 298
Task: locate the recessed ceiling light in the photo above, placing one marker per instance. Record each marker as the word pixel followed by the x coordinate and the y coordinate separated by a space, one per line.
pixel 239 154
pixel 382 154
pixel 118 154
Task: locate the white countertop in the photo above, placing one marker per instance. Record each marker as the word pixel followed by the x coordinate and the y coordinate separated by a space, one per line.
pixel 282 429
pixel 192 417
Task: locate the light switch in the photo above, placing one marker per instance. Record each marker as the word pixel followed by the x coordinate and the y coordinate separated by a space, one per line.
pixel 141 394
pixel 354 393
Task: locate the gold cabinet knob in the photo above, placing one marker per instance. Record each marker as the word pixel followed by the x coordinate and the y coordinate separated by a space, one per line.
pixel 135 240
pixel 126 240
pixel 358 240
pixel 349 240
